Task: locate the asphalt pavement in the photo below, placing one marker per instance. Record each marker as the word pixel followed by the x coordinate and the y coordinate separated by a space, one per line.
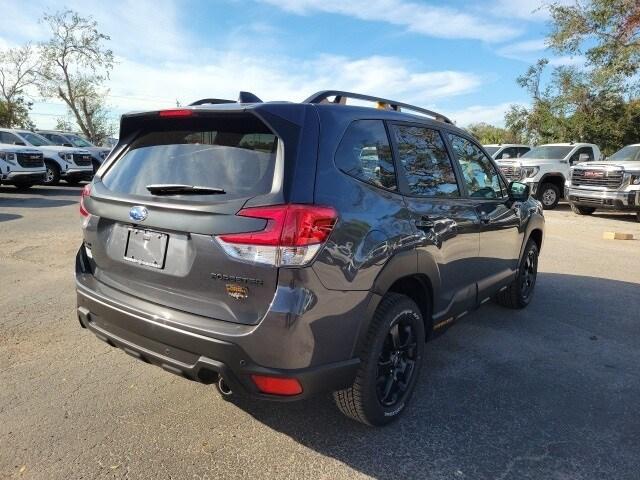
pixel 549 392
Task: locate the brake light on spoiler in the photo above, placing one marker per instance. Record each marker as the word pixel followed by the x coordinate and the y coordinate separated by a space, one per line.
pixel 175 112
pixel 292 237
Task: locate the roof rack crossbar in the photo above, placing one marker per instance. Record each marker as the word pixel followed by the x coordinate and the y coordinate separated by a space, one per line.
pixel 340 97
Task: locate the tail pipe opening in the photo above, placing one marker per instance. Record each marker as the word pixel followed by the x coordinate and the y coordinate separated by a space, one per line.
pixel 223 388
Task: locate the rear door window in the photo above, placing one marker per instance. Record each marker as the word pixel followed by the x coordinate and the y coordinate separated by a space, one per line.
pixel 365 153
pixel 425 161
pixel 234 154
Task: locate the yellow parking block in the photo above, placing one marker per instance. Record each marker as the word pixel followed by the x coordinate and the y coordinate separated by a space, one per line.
pixel 617 236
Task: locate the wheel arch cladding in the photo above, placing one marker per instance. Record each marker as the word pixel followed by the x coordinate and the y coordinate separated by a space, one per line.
pixel 418 288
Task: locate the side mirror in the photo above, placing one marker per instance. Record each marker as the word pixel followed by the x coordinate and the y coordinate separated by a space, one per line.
pixel 583 157
pixel 505 155
pixel 20 143
pixel 519 191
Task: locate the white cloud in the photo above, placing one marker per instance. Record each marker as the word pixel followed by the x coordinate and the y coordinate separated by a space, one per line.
pixel 492 114
pixel 159 62
pixel 425 19
pixel 524 49
pixel 530 51
pixel 280 78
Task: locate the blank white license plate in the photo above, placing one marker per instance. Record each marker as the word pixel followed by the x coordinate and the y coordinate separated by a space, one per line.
pixel 146 247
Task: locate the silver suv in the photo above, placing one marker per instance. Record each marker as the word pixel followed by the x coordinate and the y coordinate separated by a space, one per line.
pixel 612 185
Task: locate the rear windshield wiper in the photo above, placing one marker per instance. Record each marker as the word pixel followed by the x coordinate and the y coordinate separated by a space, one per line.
pixel 180 189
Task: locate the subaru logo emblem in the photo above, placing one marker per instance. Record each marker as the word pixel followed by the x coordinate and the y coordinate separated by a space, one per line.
pixel 138 213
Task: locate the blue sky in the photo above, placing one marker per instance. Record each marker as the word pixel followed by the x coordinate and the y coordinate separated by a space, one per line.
pixel 458 57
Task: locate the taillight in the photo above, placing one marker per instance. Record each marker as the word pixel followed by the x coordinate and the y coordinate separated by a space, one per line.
pixel 175 112
pixel 277 385
pixel 292 236
pixel 86 191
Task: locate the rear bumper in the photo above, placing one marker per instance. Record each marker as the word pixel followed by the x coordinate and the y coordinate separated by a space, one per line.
pixel 611 200
pixel 149 334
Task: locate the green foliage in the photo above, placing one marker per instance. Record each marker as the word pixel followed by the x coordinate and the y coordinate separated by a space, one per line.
pixel 16 114
pixel 488 134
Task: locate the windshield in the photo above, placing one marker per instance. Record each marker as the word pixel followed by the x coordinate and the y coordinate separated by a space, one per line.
pixel 235 155
pixel 548 152
pixel 78 141
pixel 630 153
pixel 491 150
pixel 35 139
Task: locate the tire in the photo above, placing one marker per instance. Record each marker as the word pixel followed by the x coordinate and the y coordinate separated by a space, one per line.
pixel 52 175
pixel 638 217
pixel 517 294
pixel 387 374
pixel 549 195
pixel 578 210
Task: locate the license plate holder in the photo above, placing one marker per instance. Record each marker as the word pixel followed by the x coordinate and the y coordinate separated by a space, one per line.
pixel 146 247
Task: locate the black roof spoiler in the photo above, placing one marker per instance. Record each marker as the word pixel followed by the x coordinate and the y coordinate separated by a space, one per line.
pixel 340 98
pixel 244 97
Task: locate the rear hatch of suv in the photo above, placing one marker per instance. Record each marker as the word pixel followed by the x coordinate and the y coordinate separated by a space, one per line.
pixel 174 185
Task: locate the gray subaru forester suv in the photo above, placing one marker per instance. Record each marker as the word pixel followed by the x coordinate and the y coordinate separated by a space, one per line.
pixel 280 250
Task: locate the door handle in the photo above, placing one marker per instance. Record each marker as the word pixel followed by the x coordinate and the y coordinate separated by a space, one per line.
pixel 485 219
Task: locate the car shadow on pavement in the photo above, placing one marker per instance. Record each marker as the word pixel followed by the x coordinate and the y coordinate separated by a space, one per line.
pixel 546 392
pixel 623 217
pixel 38 197
pixel 6 217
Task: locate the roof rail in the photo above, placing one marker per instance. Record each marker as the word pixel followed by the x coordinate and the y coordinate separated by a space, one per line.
pixel 340 97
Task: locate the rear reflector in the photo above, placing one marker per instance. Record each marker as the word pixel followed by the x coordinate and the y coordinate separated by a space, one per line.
pixel 277 385
pixel 86 191
pixel 292 235
pixel 175 112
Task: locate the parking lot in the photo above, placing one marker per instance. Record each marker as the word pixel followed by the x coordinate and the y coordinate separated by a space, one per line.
pixel 548 392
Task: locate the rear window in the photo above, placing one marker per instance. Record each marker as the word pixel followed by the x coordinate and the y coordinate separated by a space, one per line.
pixel 236 154
pixel 365 153
pixel 548 152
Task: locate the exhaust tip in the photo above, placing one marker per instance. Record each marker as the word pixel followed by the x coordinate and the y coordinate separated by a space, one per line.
pixel 223 388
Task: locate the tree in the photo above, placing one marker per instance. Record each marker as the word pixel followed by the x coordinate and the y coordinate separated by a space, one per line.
pixel 488 134
pixel 75 65
pixel 597 102
pixel 18 67
pixel 607 32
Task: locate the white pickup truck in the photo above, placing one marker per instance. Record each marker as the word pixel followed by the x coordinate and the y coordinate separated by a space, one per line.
pixel 613 184
pixel 546 168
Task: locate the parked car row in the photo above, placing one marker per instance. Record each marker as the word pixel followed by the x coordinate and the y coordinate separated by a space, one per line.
pixel 576 172
pixel 45 157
